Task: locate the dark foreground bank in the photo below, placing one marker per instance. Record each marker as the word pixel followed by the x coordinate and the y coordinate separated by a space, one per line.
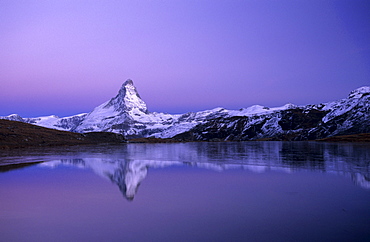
pixel 14 134
pixel 348 138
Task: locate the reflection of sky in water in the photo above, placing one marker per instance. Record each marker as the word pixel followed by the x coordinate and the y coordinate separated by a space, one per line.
pixel 291 197
pixel 128 165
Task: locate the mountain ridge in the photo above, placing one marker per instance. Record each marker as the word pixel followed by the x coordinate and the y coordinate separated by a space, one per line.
pixel 127 114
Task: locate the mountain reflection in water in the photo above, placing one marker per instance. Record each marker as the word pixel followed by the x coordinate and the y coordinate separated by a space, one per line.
pixel 246 191
pixel 127 165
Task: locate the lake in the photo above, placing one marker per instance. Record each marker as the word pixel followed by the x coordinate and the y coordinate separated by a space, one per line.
pixel 242 191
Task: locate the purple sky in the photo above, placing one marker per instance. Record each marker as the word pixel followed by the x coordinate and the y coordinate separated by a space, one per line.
pixel 67 57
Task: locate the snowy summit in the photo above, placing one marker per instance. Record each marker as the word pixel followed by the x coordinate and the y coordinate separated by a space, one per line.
pixel 127 114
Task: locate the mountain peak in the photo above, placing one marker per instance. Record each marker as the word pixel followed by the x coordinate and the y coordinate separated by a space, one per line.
pixel 128 82
pixel 127 99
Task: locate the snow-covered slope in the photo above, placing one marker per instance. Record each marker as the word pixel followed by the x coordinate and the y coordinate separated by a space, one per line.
pixel 13 117
pixel 52 121
pixel 55 122
pixel 346 116
pixel 127 113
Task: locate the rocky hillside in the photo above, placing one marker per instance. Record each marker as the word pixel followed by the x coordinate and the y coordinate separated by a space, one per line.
pixel 343 117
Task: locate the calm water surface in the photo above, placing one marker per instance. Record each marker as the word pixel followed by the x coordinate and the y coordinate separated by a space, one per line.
pixel 247 191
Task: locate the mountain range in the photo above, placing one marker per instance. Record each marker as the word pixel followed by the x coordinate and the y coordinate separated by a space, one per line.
pixel 127 114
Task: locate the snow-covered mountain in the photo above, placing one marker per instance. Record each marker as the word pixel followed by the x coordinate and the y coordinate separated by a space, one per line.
pixel 125 113
pixel 346 116
pixel 128 114
pixel 52 121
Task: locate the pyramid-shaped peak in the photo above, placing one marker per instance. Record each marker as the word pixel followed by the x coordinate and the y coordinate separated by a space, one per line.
pixel 127 85
pixel 128 82
pixel 127 99
pixel 128 89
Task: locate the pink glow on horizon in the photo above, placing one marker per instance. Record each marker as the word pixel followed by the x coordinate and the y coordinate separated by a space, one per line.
pixel 68 57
